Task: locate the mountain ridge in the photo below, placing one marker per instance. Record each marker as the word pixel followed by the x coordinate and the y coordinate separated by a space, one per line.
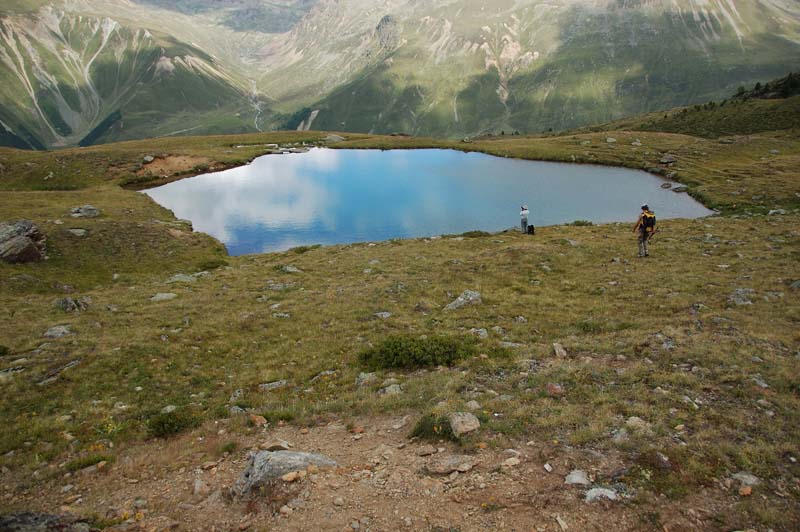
pixel 441 68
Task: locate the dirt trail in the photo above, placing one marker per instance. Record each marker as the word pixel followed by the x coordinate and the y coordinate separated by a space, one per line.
pixel 380 485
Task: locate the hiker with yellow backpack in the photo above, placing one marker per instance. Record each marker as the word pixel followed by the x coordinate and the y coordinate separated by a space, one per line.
pixel 646 226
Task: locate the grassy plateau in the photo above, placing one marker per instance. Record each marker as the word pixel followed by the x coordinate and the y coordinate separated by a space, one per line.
pixel 701 341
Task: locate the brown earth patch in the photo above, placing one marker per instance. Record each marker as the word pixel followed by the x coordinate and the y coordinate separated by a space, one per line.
pixel 174 164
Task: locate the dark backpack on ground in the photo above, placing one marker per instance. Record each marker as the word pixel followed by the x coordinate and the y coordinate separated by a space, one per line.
pixel 531 230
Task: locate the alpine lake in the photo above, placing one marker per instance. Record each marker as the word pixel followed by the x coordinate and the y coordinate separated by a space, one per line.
pixel 330 196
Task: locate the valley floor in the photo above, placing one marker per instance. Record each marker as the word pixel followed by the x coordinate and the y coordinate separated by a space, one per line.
pixel 678 373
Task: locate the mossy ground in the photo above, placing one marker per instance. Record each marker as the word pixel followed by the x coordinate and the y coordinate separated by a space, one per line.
pixel 657 338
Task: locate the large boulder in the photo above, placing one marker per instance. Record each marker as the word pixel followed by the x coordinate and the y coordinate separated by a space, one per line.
pixel 265 467
pixel 21 242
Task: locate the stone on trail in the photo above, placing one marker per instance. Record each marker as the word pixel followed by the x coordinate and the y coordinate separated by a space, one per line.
pixel 595 494
pixel 59 331
pixel 426 450
pixel 264 467
pixel 163 297
pixel 463 423
pixel 473 406
pixel 147 159
pixel 21 242
pixel 577 477
pixel 468 297
pixel 444 465
pixel 85 211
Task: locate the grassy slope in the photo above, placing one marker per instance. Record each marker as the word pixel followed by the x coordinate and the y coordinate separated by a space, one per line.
pixel 617 320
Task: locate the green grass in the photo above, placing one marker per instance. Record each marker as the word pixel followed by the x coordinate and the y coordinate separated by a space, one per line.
pixel 635 348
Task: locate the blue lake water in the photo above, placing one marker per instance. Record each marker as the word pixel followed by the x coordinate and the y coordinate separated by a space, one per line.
pixel 329 196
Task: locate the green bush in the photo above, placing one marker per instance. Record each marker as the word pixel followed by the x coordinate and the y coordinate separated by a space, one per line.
pixel 475 234
pixel 581 223
pixel 163 425
pixel 409 353
pixel 434 428
pixel 304 249
pixel 213 264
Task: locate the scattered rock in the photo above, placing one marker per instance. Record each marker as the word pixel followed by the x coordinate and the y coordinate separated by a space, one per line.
pixel 746 479
pixel 680 189
pixel 473 405
pixel 264 467
pixel 147 159
pixel 521 319
pixel 469 297
pixel 480 333
pixel 278 445
pixel 181 278
pixel 364 379
pixel 86 211
pixel 611 140
pixel 169 409
pixel 741 296
pixel 559 350
pixel 444 465
pixel 257 421
pixel 577 477
pixel 333 138
pixel 554 390
pixel 21 242
pixel 163 297
pixel 639 425
pixel 383 315
pixel 666 185
pixel 69 304
pixel 463 423
pixel 269 386
pixel 338 501
pixel 38 522
pixel 78 232
pixel 426 450
pixel 668 159
pixel 291 269
pixel 393 389
pixel 511 462
pixel 777 212
pixel 200 488
pixel 59 331
pixel 745 491
pixel 595 494
pixel 548 468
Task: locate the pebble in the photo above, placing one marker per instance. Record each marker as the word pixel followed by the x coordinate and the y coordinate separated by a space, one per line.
pixel 511 462
pixel 559 350
pixel 168 296
pixel 338 501
pixel 426 450
pixel 548 468
pixel 595 494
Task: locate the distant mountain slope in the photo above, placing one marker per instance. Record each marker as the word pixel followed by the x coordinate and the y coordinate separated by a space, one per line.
pixel 101 70
pixel 64 75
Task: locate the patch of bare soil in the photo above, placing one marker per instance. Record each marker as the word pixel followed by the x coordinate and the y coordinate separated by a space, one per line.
pixel 381 484
pixel 168 165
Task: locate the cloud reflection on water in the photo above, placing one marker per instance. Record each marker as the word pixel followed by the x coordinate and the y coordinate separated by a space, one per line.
pixel 336 196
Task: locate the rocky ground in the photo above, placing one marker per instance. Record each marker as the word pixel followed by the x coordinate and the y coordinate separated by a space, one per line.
pixel 382 481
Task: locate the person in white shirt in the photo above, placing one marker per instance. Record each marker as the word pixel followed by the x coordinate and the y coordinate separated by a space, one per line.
pixel 523 214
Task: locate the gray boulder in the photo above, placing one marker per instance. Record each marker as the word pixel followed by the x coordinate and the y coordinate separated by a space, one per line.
pixel 21 242
pixel 163 297
pixel 468 297
pixel 264 467
pixel 463 423
pixel 444 465
pixel 595 494
pixel 69 304
pixel 85 211
pixel 80 233
pixel 59 331
pixel 668 159
pixel 38 522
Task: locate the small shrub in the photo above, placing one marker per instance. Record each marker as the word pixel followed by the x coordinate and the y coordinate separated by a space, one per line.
pixel 410 353
pixel 228 447
pixel 475 234
pixel 581 223
pixel 86 461
pixel 304 249
pixel 163 425
pixel 212 265
pixel 434 428
pixel 4 351
pixel 275 416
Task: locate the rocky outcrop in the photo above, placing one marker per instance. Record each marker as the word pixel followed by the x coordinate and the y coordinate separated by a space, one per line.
pixel 21 242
